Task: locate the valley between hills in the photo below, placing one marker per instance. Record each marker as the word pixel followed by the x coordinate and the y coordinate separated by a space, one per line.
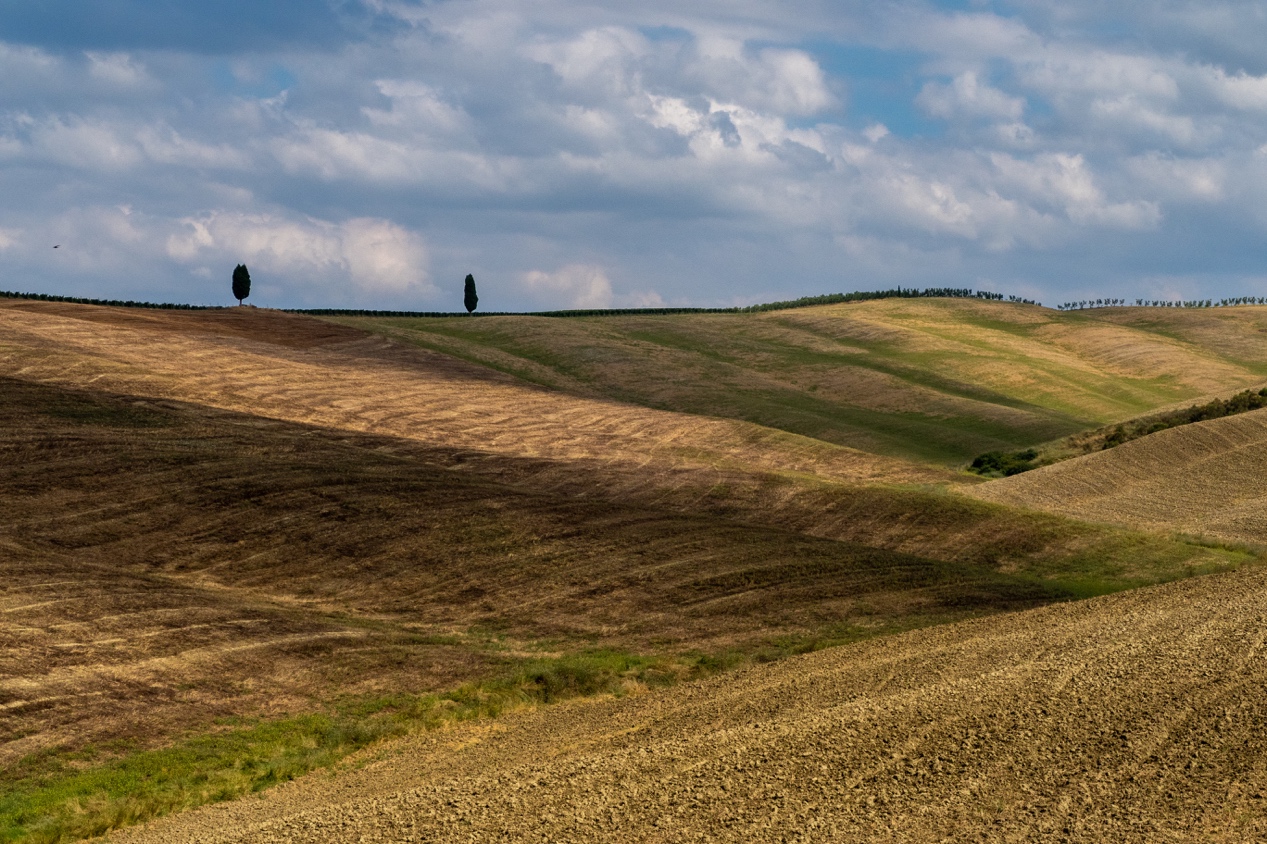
pixel 672 577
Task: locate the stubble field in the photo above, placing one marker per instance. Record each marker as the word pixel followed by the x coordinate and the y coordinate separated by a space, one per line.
pixel 250 539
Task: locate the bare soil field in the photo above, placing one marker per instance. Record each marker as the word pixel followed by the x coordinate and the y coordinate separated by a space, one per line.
pixel 1136 717
pixel 168 564
pixel 497 427
pixel 1206 479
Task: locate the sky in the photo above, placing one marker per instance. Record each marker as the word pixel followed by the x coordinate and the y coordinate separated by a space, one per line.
pixel 568 154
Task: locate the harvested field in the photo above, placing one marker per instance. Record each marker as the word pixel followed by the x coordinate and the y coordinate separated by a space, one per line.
pixel 166 565
pixel 1206 479
pixel 492 426
pixel 1137 717
pixel 220 524
pixel 306 370
pixel 925 379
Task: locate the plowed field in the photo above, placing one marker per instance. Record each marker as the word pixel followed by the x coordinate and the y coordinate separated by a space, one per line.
pixel 1206 479
pixel 1133 718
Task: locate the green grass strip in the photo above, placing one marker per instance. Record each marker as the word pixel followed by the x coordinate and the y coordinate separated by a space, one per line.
pixel 51 797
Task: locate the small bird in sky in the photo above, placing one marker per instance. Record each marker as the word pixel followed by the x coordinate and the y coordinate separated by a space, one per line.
pixel 58 246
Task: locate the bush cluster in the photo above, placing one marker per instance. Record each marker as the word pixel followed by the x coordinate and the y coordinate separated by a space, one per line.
pixel 1000 464
pixel 1216 409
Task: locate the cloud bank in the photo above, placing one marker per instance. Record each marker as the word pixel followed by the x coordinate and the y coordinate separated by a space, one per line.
pixel 371 154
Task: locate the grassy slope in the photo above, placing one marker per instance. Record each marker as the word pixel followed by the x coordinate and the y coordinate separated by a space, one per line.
pixel 934 380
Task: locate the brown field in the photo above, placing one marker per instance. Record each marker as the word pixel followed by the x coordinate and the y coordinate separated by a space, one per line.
pixel 166 565
pixel 1136 717
pixel 1207 479
pixel 218 517
pixel 933 380
pixel 169 563
pixel 306 370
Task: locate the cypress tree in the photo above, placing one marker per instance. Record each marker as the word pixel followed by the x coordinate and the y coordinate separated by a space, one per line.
pixel 468 294
pixel 241 283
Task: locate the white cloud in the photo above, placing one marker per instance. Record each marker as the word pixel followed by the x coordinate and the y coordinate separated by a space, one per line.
pixel 1066 182
pixel 968 96
pixel 618 64
pixel 117 69
pixel 1130 111
pixel 1240 90
pixel 86 144
pixel 167 146
pixel 571 286
pixel 376 256
pixel 875 132
pixel 601 59
pixel 418 107
pixel 784 82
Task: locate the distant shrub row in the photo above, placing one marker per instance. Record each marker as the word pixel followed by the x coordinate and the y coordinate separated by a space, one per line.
pixel 114 303
pixel 997 464
pixel 1240 403
pixel 895 293
pixel 1163 303
pixel 803 302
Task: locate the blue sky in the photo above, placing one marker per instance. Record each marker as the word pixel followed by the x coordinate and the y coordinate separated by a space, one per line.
pixel 371 153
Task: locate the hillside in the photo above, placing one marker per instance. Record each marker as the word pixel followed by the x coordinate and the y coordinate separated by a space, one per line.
pixel 1206 479
pixel 936 380
pixel 242 543
pixel 1137 717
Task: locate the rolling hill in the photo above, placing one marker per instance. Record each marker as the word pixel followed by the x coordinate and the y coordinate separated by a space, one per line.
pixel 1205 479
pixel 1136 717
pixel 931 380
pixel 243 543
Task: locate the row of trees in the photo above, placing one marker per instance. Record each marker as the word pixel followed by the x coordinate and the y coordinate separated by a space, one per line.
pixel 1090 303
pixel 1164 303
pixel 866 295
pixel 113 303
pixel 803 302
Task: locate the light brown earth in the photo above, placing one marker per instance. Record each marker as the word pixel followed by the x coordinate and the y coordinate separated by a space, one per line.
pixel 1207 479
pixel 248 513
pixel 300 369
pixel 165 565
pixel 1137 717
pixel 934 380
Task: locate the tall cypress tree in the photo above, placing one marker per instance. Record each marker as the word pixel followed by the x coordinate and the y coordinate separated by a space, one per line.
pixel 468 294
pixel 241 283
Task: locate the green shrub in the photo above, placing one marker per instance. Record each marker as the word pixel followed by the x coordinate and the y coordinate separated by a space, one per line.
pixel 999 464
